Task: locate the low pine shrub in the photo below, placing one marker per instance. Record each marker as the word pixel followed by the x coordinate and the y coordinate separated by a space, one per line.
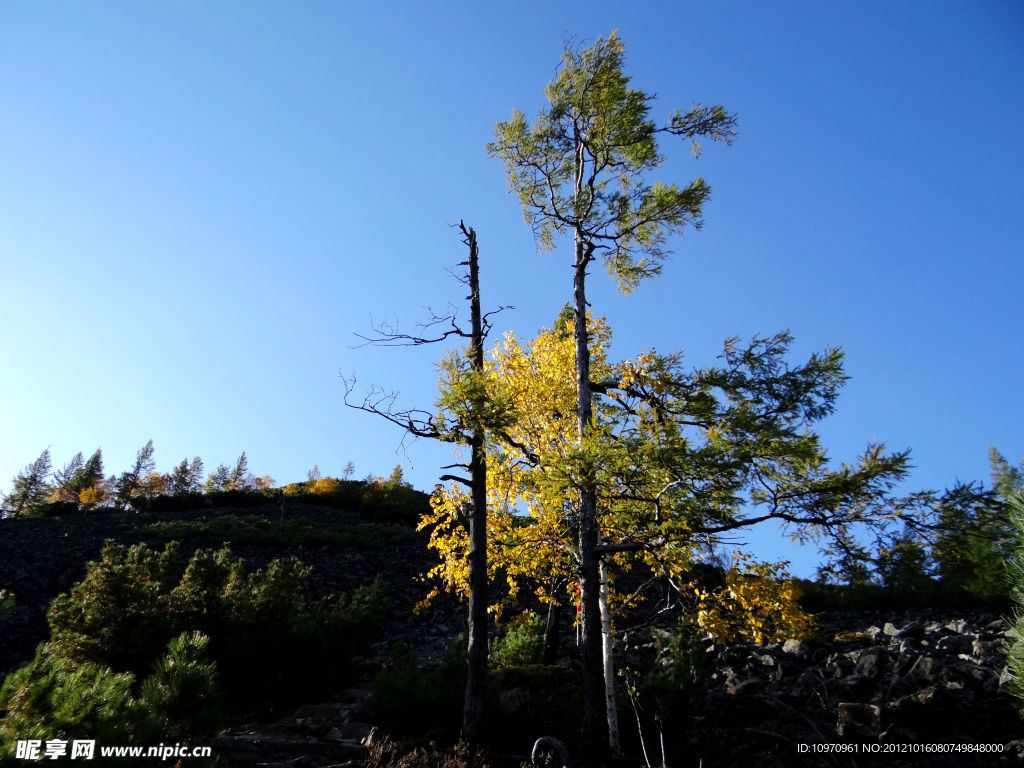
pixel 271 641
pixel 58 698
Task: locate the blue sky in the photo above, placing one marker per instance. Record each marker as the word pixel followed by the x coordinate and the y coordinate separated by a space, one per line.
pixel 203 202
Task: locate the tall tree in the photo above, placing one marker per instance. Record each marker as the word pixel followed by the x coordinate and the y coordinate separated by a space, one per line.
pixel 1014 649
pixel 240 478
pixel 92 472
pixel 64 479
pixel 218 480
pixel 179 480
pixel 682 458
pixel 973 538
pixel 1005 479
pixel 581 169
pixel 30 488
pixel 467 412
pixel 129 482
pixel 77 476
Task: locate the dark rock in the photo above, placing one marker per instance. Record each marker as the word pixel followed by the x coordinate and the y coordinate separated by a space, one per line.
pixel 862 721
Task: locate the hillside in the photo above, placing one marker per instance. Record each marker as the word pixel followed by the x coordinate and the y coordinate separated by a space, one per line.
pixel 869 678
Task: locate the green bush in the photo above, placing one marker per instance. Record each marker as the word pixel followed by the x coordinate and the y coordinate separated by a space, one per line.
pixel 271 641
pixel 521 644
pixel 58 698
pixel 383 502
pixel 377 500
pixel 1015 567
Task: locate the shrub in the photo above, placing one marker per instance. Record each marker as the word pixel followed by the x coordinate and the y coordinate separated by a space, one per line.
pixel 58 698
pixel 521 644
pixel 384 502
pixel 269 638
pixel 1015 649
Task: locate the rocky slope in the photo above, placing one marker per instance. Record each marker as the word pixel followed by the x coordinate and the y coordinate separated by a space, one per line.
pixel 872 689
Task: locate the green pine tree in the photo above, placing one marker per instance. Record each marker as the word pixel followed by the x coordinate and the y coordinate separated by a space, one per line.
pixel 129 482
pixel 1015 571
pixel 31 487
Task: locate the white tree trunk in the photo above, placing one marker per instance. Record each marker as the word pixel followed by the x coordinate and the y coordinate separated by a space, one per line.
pixel 609 667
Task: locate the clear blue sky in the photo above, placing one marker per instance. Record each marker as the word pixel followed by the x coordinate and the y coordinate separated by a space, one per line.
pixel 201 203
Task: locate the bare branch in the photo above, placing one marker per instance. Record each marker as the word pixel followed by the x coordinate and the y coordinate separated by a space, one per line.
pixel 457 479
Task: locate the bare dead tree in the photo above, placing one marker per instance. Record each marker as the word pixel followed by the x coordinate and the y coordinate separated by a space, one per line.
pixel 469 430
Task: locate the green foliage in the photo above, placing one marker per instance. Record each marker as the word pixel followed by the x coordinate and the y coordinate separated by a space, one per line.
pixel 30 489
pixel 385 502
pixel 57 697
pixel 976 540
pixel 377 500
pixel 240 479
pixel 1006 480
pixel 468 400
pixel 77 475
pixel 183 689
pixel 663 698
pixel 1015 648
pixel 129 483
pixel 582 164
pixel 521 644
pixel 218 480
pixel 905 568
pixel 266 634
pixel 410 702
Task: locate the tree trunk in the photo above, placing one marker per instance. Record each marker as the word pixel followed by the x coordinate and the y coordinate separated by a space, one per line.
pixel 552 631
pixel 607 648
pixel 595 743
pixel 476 678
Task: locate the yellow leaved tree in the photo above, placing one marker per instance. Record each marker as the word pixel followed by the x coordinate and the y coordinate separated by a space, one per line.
pixel 678 459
